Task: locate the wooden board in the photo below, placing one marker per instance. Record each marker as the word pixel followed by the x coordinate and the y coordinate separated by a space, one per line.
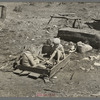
pixel 36 72
pixel 24 73
pixel 17 71
pixel 60 65
pixel 33 74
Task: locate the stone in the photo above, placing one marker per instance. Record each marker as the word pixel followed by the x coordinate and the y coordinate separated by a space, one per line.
pixel 92 67
pixel 46 80
pixel 55 77
pixel 86 58
pixel 97 64
pixel 88 69
pixel 92 58
pixel 97 57
pixel 82 47
pixel 97 94
pixel 82 68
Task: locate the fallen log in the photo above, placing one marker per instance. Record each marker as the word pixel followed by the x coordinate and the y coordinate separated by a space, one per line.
pixel 76 35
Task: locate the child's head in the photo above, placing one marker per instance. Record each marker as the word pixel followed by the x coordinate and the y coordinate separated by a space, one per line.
pixel 48 41
pixel 30 48
pixel 56 41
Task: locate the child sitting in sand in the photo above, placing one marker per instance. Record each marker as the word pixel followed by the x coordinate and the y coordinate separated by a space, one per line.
pixel 58 51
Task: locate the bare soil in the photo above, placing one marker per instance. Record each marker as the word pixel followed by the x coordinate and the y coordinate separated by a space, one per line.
pixel 29 26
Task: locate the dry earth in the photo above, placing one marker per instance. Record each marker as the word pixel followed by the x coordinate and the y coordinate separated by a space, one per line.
pixel 30 27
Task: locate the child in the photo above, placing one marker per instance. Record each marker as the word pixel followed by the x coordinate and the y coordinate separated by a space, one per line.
pixel 58 50
pixel 46 49
pixel 28 58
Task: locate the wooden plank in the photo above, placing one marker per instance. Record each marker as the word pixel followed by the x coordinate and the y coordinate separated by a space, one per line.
pixel 33 74
pixel 60 65
pixel 17 71
pixel 66 14
pixel 66 17
pixel 24 73
pixel 36 70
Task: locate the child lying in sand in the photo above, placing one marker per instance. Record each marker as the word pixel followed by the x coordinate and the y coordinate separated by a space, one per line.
pixel 29 59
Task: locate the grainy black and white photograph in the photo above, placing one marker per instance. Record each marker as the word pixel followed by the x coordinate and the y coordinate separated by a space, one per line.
pixel 49 49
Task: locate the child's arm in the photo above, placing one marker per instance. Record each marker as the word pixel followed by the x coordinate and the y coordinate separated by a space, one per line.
pixel 31 59
pixel 63 52
pixel 18 58
pixel 54 53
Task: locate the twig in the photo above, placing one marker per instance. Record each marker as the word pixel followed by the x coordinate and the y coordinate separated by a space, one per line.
pixel 72 76
pixel 51 90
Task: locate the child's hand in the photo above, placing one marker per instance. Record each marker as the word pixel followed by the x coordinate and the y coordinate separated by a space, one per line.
pixel 48 62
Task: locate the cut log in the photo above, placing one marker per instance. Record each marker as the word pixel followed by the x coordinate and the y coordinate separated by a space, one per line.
pixel 76 35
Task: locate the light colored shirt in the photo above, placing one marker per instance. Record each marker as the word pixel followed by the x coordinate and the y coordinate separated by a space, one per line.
pixel 28 59
pixel 59 47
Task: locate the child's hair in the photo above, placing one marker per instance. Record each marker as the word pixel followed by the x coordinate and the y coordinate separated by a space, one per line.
pixel 48 41
pixel 30 48
pixel 56 41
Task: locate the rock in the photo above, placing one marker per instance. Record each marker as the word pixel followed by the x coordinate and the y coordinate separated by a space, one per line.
pixel 97 57
pixel 47 32
pixel 92 67
pixel 72 47
pixel 46 80
pixel 82 48
pixel 97 64
pixel 33 39
pixel 78 60
pixel 97 94
pixel 86 58
pixel 92 57
pixel 88 69
pixel 27 37
pixel 55 77
pixel 55 26
pixel 82 68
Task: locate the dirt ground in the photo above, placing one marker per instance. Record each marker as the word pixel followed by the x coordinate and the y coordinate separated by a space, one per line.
pixel 29 26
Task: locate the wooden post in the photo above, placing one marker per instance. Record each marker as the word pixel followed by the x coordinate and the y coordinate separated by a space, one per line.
pixel 3 12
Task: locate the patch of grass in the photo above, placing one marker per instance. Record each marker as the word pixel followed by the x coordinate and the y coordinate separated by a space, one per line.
pixel 32 4
pixel 18 9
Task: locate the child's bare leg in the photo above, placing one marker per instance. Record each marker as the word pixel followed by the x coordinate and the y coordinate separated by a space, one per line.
pixel 59 54
pixel 54 53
